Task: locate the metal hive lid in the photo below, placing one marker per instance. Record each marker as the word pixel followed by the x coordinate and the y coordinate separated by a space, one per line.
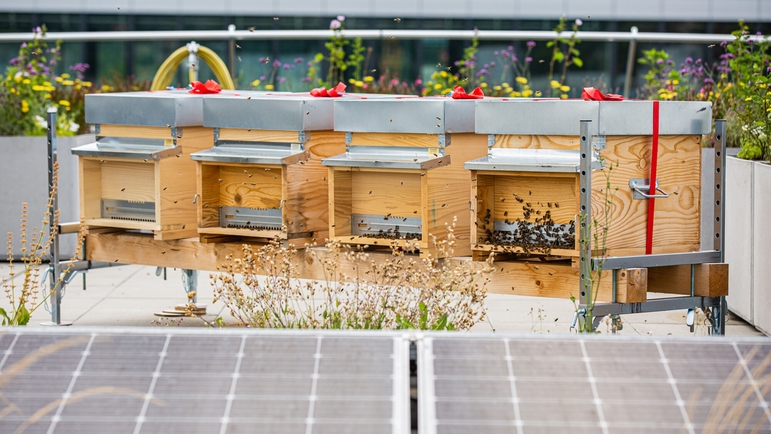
pixel 268 111
pixel 405 115
pixel 152 109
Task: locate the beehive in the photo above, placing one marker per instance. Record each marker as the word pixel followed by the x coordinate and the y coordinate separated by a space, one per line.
pixel 526 193
pixel 263 178
pixel 138 174
pixel 401 178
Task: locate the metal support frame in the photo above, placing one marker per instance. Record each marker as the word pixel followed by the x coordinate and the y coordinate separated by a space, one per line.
pixel 717 305
pixel 585 225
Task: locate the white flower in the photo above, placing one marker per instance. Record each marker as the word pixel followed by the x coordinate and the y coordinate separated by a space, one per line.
pixel 334 24
pixel 341 18
pixel 40 121
pixel 579 22
pixel 74 127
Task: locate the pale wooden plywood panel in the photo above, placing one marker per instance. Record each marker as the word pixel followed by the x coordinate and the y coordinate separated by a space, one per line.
pixel 483 195
pixel 136 131
pixel 208 195
pixel 127 180
pixel 90 172
pixel 539 192
pixel 383 193
pixel 340 201
pixel 631 285
pixel 250 186
pixel 325 144
pixel 537 142
pixel 395 139
pixel 677 219
pixel 275 136
pixel 307 198
pixel 710 280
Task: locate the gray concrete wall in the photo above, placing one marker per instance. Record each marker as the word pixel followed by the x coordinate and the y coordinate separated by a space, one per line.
pixel 24 178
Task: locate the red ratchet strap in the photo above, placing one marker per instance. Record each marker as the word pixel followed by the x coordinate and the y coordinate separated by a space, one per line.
pixel 459 93
pixel 592 94
pixel 652 180
pixel 209 87
pixel 334 92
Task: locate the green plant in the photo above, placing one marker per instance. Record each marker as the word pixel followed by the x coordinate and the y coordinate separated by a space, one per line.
pixel 383 292
pixel 564 52
pixel 23 296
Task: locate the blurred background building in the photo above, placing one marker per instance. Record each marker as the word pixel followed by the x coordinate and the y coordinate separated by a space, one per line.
pixel 406 59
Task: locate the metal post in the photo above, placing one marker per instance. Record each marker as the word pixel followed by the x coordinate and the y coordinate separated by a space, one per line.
pixel 55 283
pixel 585 228
pixel 232 51
pixel 190 280
pixel 630 62
pixel 719 312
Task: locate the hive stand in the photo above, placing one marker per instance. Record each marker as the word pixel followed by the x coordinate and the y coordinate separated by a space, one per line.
pixel 264 178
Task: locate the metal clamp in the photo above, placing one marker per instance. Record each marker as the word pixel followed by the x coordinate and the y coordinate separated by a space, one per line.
pixel 641 187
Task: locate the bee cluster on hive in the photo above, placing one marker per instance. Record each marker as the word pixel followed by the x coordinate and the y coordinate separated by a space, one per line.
pixel 534 233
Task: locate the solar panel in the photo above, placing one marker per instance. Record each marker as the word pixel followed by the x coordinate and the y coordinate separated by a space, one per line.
pixel 538 384
pixel 175 380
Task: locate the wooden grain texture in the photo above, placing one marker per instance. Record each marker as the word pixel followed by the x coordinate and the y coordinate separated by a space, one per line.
pixel 243 232
pixel 122 224
pixel 482 197
pixel 537 191
pixel 127 180
pixel 711 280
pixel 250 186
pixel 395 139
pixel 340 201
pixel 137 131
pixel 90 187
pixel 540 279
pixel 631 285
pixel 677 219
pixel 325 144
pixel 536 142
pixel 383 193
pixel 177 185
pixel 207 177
pixel 248 135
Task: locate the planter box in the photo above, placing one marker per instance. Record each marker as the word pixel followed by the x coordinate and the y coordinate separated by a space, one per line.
pixel 24 178
pixel 748 243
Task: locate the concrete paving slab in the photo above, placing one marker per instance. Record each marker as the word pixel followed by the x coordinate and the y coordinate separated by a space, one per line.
pixel 130 295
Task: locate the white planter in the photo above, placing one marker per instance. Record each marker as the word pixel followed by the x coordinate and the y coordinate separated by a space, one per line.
pixel 748 241
pixel 24 178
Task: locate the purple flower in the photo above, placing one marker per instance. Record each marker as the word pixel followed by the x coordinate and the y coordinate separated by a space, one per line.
pixel 298 60
pixel 660 62
pixel 511 47
pixel 688 60
pixel 496 53
pixel 476 31
pixel 14 61
pixel 530 44
pixel 334 25
pixel 23 45
pixel 282 80
pixel 579 22
pixel 698 61
pixel 262 59
pixel 528 59
pixel 37 29
pixel 395 82
pixel 341 18
pixel 670 62
pixel 306 80
pixel 492 64
pixel 487 65
pixel 276 63
pixel 80 67
pixel 309 64
pixel 513 57
pixel 286 67
pixel 709 80
pixel 262 78
pixel 457 63
pixel 505 54
pixel 724 43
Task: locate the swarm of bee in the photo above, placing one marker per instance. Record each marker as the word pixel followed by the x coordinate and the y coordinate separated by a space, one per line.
pixel 534 233
pixel 394 234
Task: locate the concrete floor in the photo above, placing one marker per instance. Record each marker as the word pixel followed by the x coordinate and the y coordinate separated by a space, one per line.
pixel 130 295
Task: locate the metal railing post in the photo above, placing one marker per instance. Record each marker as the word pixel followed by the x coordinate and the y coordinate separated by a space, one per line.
pixel 719 312
pixel 630 63
pixel 585 228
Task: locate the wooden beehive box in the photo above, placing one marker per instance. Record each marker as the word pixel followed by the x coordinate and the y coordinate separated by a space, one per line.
pixel 138 174
pixel 526 192
pixel 263 178
pixel 401 178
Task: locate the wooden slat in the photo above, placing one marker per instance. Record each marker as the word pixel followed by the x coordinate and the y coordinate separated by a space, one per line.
pixel 536 142
pixel 711 280
pixel 250 186
pixel 110 130
pixel 127 180
pixel 340 202
pixel 90 180
pixel 539 192
pixel 395 139
pixel 274 136
pixel 69 228
pixel 122 224
pixel 242 232
pixel 382 193
pixel 631 285
pixel 508 250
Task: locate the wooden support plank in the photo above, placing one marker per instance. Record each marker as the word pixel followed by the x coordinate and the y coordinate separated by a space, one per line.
pixel 142 132
pixel 248 135
pixel 631 285
pixel 69 228
pixel 543 279
pixel 536 142
pixel 395 139
pixel 711 280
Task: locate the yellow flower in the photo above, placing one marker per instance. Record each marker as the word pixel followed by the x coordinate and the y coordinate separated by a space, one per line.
pixel 269 87
pixel 68 82
pixel 359 83
pixel 352 80
pixel 26 81
pixel 59 79
pixel 107 88
pixel 437 86
pixel 47 96
pixel 564 96
pixel 37 88
pixel 65 75
pixel 13 90
pixel 749 98
pixel 86 83
pixel 564 88
pixel 521 80
pixel 17 79
pixel 527 93
pixel 446 91
pixel 497 88
pixel 46 83
pixel 24 106
pixel 50 89
pixel 443 74
pixel 515 94
pixel 700 96
pixel 483 85
pixel 675 81
pixel 369 79
pixel 64 102
pixel 255 83
pixel 506 85
pixel 555 84
pixel 537 93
